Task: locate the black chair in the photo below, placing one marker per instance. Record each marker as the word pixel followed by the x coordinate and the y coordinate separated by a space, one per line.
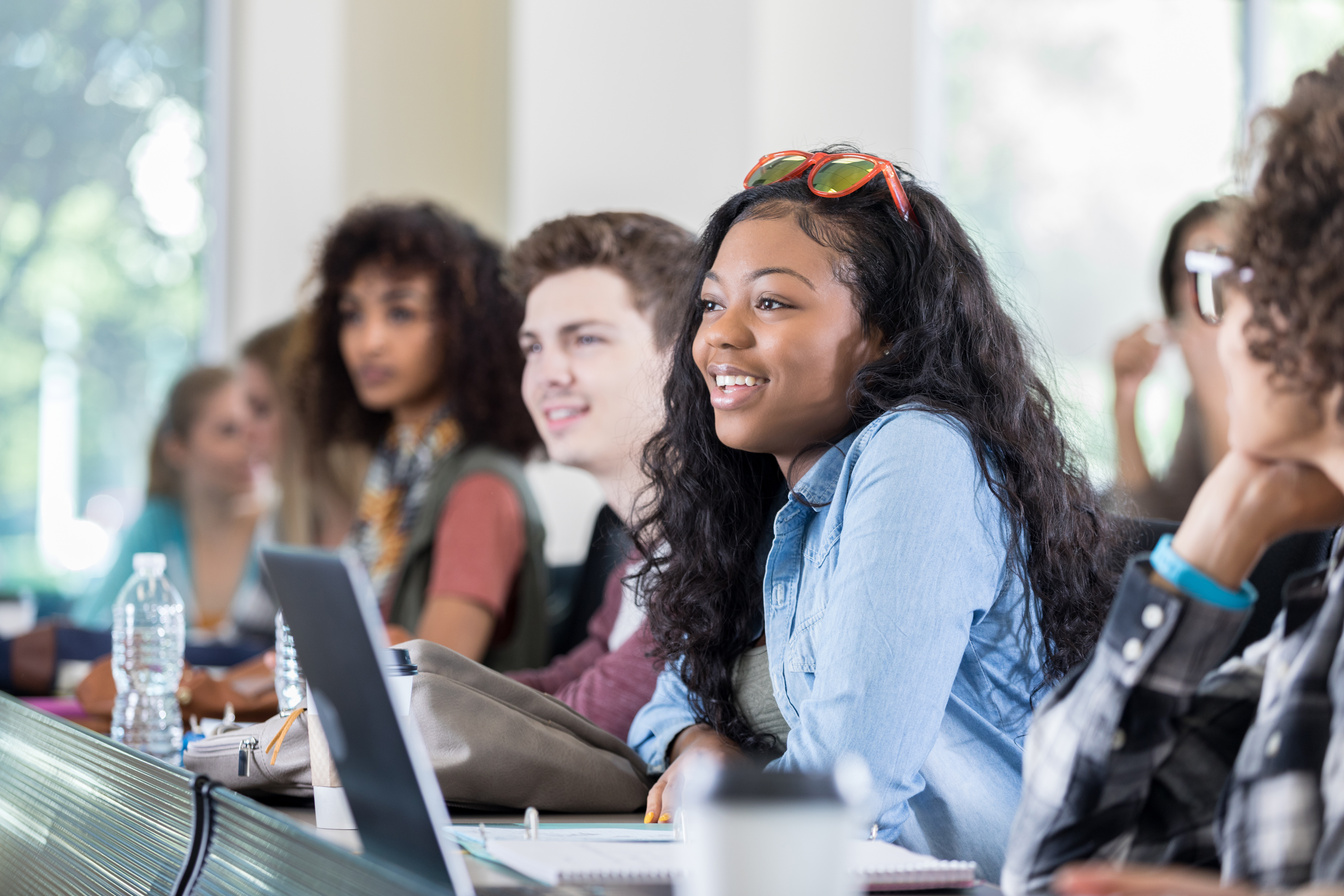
pixel 577 591
pixel 1282 559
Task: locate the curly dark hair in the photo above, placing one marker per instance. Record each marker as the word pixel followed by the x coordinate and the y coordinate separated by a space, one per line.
pixel 953 349
pixel 478 320
pixel 1293 238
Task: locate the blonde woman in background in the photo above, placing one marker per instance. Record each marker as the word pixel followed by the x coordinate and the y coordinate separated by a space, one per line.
pixel 199 511
pixel 308 506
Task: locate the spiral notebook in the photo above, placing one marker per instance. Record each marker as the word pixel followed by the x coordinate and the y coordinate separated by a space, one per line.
pixel 880 866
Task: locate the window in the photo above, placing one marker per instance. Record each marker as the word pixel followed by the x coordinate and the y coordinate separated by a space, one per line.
pixel 1074 135
pixel 102 230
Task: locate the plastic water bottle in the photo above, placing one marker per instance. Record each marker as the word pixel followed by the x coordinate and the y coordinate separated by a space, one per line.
pixel 149 635
pixel 290 688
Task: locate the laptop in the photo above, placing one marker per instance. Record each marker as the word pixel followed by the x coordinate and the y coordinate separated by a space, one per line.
pixel 338 632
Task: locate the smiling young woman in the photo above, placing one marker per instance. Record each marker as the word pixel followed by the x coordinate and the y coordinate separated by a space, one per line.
pixel 867 535
pixel 412 352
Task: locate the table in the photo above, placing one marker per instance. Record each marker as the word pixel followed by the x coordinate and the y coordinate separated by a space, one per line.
pixel 485 875
pixel 80 814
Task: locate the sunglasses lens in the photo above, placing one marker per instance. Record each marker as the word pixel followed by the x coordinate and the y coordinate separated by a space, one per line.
pixel 775 170
pixel 842 175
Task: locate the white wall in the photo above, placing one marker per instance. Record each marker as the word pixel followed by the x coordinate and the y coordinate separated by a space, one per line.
pixel 287 156
pixel 342 101
pixel 664 107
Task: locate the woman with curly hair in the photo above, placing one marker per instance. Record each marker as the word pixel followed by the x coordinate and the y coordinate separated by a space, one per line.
pixel 1155 752
pixel 413 352
pixel 867 534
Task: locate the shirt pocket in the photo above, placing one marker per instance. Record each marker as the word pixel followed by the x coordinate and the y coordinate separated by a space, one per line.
pixel 800 667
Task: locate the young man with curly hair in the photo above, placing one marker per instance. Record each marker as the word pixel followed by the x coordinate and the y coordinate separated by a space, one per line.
pixel 1152 754
pixel 604 296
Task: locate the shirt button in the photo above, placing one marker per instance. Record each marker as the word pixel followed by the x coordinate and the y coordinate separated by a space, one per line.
pixel 1152 617
pixel 1132 650
pixel 1118 740
pixel 1273 743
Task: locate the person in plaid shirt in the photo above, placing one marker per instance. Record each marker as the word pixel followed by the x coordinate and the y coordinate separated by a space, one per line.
pixel 1152 752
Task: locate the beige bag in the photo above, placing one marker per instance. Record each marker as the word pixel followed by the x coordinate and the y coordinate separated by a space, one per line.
pixel 492 741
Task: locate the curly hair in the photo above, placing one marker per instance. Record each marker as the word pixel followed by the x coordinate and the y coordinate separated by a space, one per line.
pixel 653 255
pixel 1293 238
pixel 477 318
pixel 953 349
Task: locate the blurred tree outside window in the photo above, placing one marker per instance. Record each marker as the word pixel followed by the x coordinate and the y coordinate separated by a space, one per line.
pixel 1075 134
pixel 102 231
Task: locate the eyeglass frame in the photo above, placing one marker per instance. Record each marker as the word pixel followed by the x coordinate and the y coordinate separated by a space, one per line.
pixel 1211 271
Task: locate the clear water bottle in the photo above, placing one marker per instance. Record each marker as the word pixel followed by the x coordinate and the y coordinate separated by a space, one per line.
pixel 149 635
pixel 290 688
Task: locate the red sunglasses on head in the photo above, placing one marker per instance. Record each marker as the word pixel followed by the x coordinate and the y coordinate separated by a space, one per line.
pixel 833 173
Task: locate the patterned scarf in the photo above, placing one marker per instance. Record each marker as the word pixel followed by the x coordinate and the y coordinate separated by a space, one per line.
pixel 394 489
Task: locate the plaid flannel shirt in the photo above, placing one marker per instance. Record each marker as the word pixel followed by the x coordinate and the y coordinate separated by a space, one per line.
pixel 1151 752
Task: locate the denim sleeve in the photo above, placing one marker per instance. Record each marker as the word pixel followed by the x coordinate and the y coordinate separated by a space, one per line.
pixel 665 716
pixel 1126 760
pixel 921 552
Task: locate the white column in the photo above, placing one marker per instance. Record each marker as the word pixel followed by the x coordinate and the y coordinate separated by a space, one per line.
pixel 287 155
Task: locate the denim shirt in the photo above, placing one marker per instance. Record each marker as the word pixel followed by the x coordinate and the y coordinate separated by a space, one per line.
pixel 895 629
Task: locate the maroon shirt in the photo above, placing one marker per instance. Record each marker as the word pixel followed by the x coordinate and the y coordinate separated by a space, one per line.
pixel 608 687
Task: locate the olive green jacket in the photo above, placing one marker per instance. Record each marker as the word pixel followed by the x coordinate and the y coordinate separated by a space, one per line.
pixel 526 644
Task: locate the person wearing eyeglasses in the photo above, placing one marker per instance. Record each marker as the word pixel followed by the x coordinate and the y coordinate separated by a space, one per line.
pixel 1202 441
pixel 1157 751
pixel 867 534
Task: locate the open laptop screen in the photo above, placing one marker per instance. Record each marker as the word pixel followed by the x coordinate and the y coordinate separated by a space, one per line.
pixel 394 797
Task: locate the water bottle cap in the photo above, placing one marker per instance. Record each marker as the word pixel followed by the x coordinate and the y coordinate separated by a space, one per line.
pixel 149 564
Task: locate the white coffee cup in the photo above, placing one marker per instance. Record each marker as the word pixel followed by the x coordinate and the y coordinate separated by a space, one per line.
pixel 753 833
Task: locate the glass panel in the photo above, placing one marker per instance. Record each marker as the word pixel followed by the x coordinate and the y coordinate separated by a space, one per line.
pixel 1302 35
pixel 102 226
pixel 776 170
pixel 840 175
pixel 1076 133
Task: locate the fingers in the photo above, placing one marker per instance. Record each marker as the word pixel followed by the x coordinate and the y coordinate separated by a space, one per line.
pixel 1097 879
pixel 1136 354
pixel 653 806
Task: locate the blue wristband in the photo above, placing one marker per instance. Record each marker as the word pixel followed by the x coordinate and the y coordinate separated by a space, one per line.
pixel 1178 571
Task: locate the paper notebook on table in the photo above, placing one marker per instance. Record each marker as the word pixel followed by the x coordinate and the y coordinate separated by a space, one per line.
pixel 879 865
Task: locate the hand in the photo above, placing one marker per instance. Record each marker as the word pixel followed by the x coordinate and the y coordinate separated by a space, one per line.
pixel 1100 879
pixel 1246 504
pixel 1134 357
pixel 697 741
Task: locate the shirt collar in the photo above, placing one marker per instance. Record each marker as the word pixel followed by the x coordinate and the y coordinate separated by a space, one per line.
pixel 817 486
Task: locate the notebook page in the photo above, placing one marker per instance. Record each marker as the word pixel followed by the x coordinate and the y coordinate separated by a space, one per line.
pixel 875 863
